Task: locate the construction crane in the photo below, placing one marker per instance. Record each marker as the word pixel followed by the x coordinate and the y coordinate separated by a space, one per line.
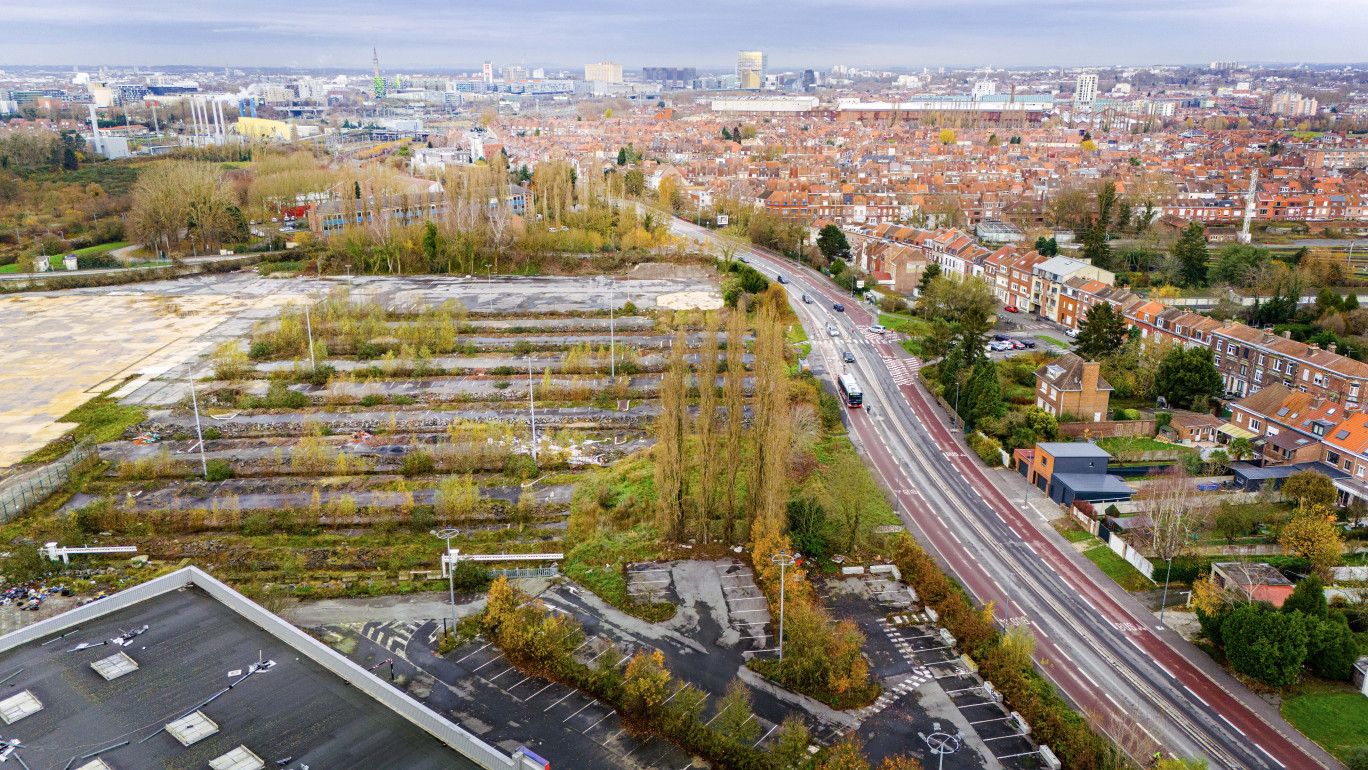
pixel 1249 205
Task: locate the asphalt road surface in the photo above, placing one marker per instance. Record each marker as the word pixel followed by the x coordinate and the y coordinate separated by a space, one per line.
pixel 1103 650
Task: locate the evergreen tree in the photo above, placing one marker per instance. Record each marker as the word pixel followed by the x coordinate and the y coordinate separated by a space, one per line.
pixel 1047 247
pixel 1192 255
pixel 1308 598
pixel 832 243
pixel 1185 377
pixel 1103 332
pixel 726 134
pixel 1096 250
pixel 982 397
pixel 622 156
pixel 928 275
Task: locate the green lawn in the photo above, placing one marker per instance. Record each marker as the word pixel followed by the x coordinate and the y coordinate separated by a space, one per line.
pixel 1139 444
pixel 1117 568
pixel 1076 535
pixel 1055 340
pixel 903 323
pixel 1336 721
pixel 100 419
pixel 104 248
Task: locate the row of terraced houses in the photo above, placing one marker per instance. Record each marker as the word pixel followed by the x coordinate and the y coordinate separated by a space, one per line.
pixel 1295 402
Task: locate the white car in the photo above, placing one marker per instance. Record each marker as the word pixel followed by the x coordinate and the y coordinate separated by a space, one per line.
pixel 1071 334
pixel 878 329
pixel 833 331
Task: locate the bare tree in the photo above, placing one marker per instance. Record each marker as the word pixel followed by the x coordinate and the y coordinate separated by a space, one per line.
pixel 705 427
pixel 734 400
pixel 1175 510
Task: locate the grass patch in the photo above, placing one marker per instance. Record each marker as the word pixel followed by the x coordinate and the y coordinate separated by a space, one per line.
pixel 1117 568
pixel 1336 721
pixel 796 334
pixel 598 564
pixel 904 323
pixel 100 419
pixel 1118 444
pixel 103 248
pixel 1055 340
pixel 1076 535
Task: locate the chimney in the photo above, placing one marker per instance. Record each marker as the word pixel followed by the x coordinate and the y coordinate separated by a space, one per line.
pixel 1091 372
pixel 1287 334
pixel 1331 347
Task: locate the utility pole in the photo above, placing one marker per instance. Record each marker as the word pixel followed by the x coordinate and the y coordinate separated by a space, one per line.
pixel 784 560
pixel 532 408
pixel 309 325
pixel 612 341
pixel 194 402
pixel 447 534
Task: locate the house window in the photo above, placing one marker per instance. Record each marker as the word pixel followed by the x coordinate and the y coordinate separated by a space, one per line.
pixel 1254 424
pixel 1277 364
pixel 1261 359
pixel 1244 369
pixel 1220 346
pixel 1348 464
pixel 1332 457
pixel 1239 417
pixel 1306 375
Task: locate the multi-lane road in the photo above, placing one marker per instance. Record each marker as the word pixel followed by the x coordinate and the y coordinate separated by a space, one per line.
pixel 1145 686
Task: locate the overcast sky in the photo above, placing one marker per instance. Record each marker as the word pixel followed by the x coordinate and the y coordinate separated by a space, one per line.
pixel 413 36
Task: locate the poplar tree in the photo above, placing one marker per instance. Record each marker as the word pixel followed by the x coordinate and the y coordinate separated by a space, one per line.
pixel 734 401
pixel 669 449
pixel 705 427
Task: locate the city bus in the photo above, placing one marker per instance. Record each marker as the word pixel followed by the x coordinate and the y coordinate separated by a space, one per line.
pixel 850 391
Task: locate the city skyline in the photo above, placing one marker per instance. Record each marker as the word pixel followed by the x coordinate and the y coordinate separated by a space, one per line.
pixel 808 33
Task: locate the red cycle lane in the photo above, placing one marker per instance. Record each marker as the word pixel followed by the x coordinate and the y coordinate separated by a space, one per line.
pixel 1274 744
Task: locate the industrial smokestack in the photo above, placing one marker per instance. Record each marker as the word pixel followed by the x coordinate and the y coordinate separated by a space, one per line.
pixel 95 129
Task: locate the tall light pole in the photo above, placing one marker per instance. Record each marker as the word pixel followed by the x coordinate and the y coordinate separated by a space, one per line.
pixel 447 533
pixel 1163 603
pixel 784 560
pixel 309 325
pixel 612 341
pixel 194 402
pixel 532 409
pixel 489 275
pixel 941 743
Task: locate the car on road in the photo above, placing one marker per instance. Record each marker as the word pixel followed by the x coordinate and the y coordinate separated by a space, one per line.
pixel 1071 334
pixel 878 329
pixel 848 357
pixel 781 279
pixel 1012 309
pixel 833 331
pixel 744 261
pixel 838 307
pixel 807 300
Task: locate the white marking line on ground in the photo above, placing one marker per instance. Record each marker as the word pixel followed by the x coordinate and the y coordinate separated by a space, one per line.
pixel 1195 695
pixel 1090 679
pixel 596 724
pixel 467 656
pixel 1232 724
pixel 1270 756
pixel 542 690
pixel 585 706
pixel 486 663
pixel 505 671
pixel 557 703
pixel 766 735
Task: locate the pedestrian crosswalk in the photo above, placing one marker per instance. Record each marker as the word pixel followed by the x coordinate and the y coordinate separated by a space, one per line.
pixel 393 636
pixel 904 370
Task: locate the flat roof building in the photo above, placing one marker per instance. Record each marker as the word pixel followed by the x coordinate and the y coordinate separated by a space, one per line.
pixel 190 673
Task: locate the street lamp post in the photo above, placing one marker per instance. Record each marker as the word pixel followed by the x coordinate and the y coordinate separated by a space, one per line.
pixel 1163 603
pixel 612 340
pixel 941 743
pixel 308 323
pixel 194 402
pixel 447 533
pixel 954 416
pixel 784 560
pixel 489 275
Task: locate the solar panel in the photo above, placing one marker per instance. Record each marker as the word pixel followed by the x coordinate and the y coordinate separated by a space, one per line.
pixel 115 666
pixel 240 758
pixel 16 707
pixel 192 728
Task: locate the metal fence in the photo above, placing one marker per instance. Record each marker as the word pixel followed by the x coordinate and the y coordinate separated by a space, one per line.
pixel 526 572
pixel 25 493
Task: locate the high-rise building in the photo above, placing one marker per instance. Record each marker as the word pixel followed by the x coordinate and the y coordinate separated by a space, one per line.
pixel 603 72
pixel 751 68
pixel 984 88
pixel 1086 91
pixel 670 77
pixel 489 72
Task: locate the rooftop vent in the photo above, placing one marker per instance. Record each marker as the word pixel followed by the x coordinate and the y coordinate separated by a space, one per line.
pixel 240 758
pixel 16 707
pixel 115 666
pixel 1054 371
pixel 192 728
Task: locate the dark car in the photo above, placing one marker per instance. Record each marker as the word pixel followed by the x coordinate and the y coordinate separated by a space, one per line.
pixel 781 279
pixel 743 260
pixel 1028 343
pixel 848 357
pixel 807 300
pixel 1001 337
pixel 838 307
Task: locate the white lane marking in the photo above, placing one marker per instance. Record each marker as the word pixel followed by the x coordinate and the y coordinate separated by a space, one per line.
pixel 1195 695
pixel 1232 724
pixel 1090 679
pixel 1270 756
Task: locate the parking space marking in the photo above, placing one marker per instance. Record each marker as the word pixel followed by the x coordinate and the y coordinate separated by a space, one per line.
pixel 557 703
pixel 467 656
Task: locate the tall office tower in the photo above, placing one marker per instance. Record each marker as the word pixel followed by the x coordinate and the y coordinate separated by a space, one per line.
pixel 750 70
pixel 603 72
pixel 1086 91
